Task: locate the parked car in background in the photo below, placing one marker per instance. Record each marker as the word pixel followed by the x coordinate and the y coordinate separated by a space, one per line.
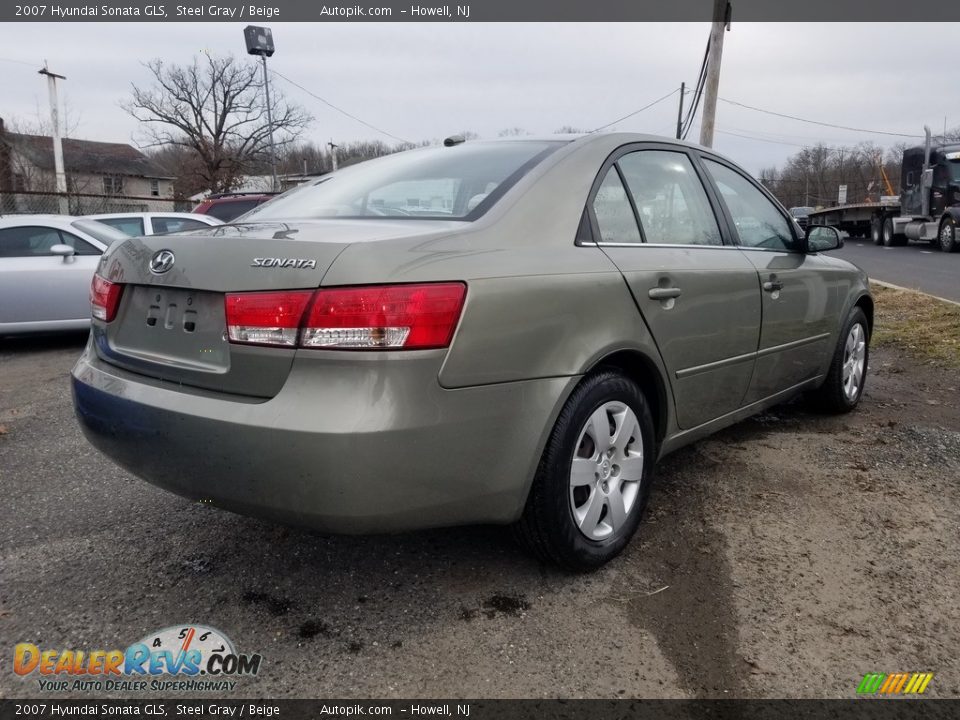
pixel 155 223
pixel 229 206
pixel 571 312
pixel 801 215
pixel 46 265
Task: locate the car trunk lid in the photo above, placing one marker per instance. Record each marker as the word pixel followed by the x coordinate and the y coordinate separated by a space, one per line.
pixel 171 323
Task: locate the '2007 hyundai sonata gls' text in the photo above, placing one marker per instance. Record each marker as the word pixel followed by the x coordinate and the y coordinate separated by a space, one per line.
pixel 486 332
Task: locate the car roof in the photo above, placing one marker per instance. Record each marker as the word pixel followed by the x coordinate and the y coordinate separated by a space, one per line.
pixel 158 213
pixel 35 219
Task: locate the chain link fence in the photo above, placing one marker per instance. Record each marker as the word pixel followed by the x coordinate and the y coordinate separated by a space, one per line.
pixel 32 203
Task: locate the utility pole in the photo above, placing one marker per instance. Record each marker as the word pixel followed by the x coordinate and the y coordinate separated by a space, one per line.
pixel 721 22
pixel 333 154
pixel 683 88
pixel 273 150
pixel 57 142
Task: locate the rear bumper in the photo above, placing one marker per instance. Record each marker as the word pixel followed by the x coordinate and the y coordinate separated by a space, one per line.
pixel 353 442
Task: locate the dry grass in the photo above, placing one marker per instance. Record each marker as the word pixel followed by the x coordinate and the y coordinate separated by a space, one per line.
pixel 922 327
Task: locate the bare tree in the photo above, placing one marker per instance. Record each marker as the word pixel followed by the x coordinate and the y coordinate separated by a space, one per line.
pixel 215 108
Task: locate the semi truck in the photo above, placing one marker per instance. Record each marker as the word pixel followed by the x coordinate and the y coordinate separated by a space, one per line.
pixel 927 208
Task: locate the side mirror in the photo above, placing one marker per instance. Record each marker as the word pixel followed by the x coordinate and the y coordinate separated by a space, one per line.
pixel 64 251
pixel 821 238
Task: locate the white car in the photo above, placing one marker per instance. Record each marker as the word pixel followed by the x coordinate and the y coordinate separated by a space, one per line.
pixel 46 267
pixel 155 223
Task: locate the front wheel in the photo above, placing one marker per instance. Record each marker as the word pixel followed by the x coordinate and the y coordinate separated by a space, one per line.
pixel 841 391
pixel 594 477
pixel 947 236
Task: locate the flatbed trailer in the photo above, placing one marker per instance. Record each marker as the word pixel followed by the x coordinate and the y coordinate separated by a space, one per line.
pixel 857 219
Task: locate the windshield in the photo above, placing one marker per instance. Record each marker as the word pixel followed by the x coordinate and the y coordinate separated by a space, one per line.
pixel 448 183
pixel 104 233
pixel 954 166
pixel 799 212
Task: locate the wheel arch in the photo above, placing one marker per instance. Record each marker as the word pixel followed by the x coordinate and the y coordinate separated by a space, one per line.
pixel 644 371
pixel 865 303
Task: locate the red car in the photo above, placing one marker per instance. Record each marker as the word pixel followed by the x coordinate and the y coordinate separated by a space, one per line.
pixel 228 206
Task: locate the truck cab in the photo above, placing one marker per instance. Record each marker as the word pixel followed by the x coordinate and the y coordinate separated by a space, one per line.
pixel 930 195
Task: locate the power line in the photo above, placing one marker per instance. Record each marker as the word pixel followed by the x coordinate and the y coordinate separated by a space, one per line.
pixel 698 93
pixel 19 62
pixel 816 122
pixel 339 110
pixel 754 137
pixel 637 112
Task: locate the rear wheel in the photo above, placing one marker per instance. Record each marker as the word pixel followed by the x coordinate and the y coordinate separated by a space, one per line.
pixel 594 477
pixel 947 236
pixel 890 239
pixel 876 231
pixel 841 391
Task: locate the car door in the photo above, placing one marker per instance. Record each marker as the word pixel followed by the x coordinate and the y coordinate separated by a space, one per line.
pixel 801 299
pixel 698 296
pixel 37 286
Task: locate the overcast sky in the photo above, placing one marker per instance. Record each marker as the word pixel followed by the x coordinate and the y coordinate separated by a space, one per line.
pixel 423 81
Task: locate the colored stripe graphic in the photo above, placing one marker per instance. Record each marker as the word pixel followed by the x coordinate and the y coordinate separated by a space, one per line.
pixel 871 683
pixel 894 684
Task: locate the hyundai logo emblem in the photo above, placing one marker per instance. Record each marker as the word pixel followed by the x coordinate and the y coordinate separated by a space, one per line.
pixel 161 261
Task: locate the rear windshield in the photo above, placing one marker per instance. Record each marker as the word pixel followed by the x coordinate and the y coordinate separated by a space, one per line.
pixel 455 183
pixel 104 233
pixel 231 209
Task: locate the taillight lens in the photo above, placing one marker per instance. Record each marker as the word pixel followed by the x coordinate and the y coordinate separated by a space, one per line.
pixel 371 317
pixel 384 316
pixel 104 298
pixel 270 318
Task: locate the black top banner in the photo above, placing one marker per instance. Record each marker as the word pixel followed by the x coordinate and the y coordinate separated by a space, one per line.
pixel 479 11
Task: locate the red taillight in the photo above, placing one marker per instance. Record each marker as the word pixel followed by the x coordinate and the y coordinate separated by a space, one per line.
pixel 104 298
pixel 374 317
pixel 269 318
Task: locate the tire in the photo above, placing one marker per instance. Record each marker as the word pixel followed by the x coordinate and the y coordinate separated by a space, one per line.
pixel 947 236
pixel 876 231
pixel 842 390
pixel 889 239
pixel 576 525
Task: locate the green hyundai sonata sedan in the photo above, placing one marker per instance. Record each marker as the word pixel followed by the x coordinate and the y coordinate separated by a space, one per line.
pixel 486 332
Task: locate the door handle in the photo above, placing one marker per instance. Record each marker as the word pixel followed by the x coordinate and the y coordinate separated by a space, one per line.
pixel 773 285
pixel 662 293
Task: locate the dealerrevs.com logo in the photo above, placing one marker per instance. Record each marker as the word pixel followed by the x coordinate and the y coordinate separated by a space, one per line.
pixel 180 657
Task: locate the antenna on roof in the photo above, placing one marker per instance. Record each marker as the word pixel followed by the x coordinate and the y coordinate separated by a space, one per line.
pixel 454 140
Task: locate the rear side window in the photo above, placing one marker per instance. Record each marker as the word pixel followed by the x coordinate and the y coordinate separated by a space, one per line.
pixel 175 224
pixel 36 241
pixel 131 226
pixel 670 199
pixel 759 223
pixel 612 209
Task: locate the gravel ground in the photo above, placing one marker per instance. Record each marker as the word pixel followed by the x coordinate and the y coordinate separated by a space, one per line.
pixel 784 557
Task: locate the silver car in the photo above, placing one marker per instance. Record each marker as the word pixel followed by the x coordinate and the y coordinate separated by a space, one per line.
pixel 487 332
pixel 46 265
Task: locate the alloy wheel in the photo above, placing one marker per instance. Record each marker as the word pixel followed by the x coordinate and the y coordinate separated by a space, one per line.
pixel 854 359
pixel 606 471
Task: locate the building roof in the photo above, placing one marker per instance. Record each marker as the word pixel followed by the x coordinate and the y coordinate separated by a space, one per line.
pixel 85 156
